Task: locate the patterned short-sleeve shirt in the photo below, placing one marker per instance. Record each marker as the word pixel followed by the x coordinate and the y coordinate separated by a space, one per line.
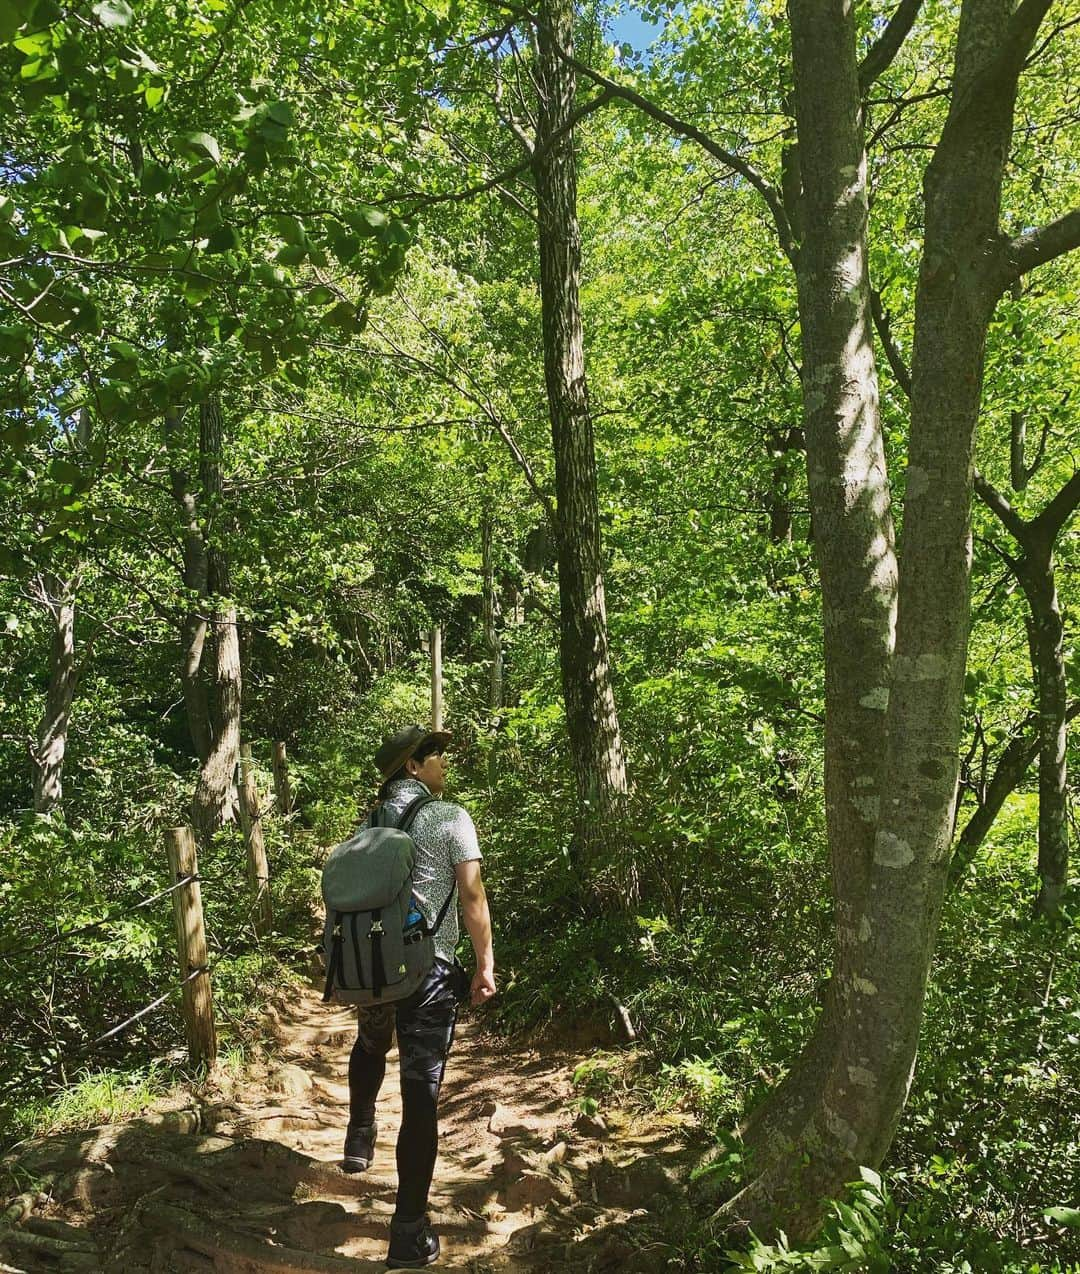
pixel 445 835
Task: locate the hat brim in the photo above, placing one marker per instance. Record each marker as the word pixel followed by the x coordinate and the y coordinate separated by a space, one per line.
pixel 442 736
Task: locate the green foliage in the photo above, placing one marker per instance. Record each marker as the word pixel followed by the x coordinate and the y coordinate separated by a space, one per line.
pixel 92 1098
pixel 205 198
pixel 852 1239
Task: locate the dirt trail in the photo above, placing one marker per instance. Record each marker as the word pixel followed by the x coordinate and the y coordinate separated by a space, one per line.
pixel 248 1181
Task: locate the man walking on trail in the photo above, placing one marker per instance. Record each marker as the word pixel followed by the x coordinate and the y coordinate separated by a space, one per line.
pixel 447 857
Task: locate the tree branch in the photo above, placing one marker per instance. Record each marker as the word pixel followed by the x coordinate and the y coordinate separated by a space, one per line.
pixel 683 128
pixel 888 44
pixel 476 395
pixel 1059 510
pixel 507 174
pixel 888 342
pixel 1023 28
pixel 1001 508
pixel 765 189
pixel 1039 246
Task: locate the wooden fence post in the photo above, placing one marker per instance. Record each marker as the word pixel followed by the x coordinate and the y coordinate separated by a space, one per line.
pixel 436 679
pixel 251 824
pixel 282 790
pixel 191 941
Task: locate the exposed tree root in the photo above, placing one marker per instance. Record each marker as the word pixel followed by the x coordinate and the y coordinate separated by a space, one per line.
pixel 71 1254
pixel 237 1252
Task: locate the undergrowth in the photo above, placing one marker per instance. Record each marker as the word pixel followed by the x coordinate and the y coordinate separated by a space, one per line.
pixel 984 1175
pixel 720 968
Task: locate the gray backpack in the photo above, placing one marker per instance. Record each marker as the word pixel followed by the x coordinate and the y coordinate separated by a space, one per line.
pixel 377 944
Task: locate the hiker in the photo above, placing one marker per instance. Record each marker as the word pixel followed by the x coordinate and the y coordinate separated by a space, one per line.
pixel 447 855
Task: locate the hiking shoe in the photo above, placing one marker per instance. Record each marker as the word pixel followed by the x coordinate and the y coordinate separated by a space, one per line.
pixel 359 1147
pixel 413 1244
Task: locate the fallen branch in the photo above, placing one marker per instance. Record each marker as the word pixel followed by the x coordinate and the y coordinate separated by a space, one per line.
pixel 624 1017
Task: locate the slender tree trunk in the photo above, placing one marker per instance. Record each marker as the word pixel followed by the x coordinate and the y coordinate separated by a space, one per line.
pixel 591 718
pixel 884 946
pixel 1048 631
pixel 1019 473
pixel 57 597
pixel 194 627
pixel 215 793
pixel 492 641
pixel 215 797
pixel 1014 763
pixel 435 646
pixel 52 732
pixel 1034 570
pixel 785 448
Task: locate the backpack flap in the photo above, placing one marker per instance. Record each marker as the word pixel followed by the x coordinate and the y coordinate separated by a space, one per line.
pixel 369 870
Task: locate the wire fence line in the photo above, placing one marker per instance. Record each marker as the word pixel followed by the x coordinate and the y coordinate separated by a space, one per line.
pixel 135 1017
pixel 58 939
pixel 192 942
pixel 74 1054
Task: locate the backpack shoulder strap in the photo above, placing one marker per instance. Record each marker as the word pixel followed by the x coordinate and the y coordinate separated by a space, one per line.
pixel 410 812
pixel 404 823
pixel 431 930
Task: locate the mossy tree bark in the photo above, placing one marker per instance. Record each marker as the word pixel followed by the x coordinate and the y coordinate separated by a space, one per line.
pixel 850 506
pixel 592 721
pixel 889 809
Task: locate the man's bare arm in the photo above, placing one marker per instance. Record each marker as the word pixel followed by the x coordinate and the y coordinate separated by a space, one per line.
pixel 474 907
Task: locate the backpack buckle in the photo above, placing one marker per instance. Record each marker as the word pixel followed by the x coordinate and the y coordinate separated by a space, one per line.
pixel 376 927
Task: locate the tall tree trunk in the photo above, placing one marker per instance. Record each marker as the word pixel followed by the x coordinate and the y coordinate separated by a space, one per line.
pixel 51 745
pixel 195 624
pixel 885 945
pixel 57 596
pixel 592 722
pixel 850 508
pixel 215 793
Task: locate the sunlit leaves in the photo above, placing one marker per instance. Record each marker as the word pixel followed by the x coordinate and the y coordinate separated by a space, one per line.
pixel 182 203
pixel 203 144
pixel 113 13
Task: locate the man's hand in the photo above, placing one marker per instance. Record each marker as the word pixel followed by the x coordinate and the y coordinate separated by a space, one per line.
pixel 483 986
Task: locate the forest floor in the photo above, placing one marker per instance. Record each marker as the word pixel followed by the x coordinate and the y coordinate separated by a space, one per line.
pixel 245 1177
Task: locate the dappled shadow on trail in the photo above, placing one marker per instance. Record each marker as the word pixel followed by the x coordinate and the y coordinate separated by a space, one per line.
pixel 247 1179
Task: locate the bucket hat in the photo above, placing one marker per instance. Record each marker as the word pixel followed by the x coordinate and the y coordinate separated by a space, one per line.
pixel 394 751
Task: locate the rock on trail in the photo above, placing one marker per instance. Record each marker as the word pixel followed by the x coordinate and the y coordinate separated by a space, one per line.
pixel 247 1181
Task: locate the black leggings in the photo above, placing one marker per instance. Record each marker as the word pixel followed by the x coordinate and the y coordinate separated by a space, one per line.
pixel 425 1031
